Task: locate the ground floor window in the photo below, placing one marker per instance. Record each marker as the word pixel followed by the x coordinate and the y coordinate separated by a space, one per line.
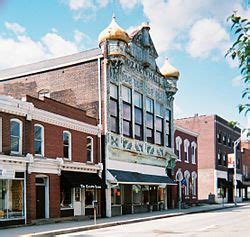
pixel 11 199
pixel 66 198
pixel 116 195
pixel 90 196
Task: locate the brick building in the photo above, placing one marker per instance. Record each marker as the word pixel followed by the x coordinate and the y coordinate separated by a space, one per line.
pixel 215 142
pixel 49 158
pixel 121 85
pixel 186 169
pixel 245 148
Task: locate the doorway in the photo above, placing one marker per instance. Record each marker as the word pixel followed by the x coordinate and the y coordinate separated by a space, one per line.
pixel 41 198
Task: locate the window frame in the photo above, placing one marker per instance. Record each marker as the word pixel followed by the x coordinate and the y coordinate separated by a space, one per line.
pixel 42 139
pixel 129 104
pixel 159 116
pixel 69 145
pixel 178 142
pixel 186 150
pixel 193 152
pixel 20 148
pixel 116 101
pixel 92 149
pixel 151 113
pixel 139 108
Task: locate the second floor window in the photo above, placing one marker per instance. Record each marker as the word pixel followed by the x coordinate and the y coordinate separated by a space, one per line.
pixel 150 120
pixel 159 124
pixel 67 145
pixel 39 140
pixel 219 137
pixel 16 136
pixel 127 111
pixel 138 116
pixel 193 149
pixel 168 128
pixel 178 142
pixel 186 150
pixel 89 149
pixel 113 107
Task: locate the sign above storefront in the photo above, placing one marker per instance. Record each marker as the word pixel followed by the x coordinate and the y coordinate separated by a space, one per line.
pixel 90 186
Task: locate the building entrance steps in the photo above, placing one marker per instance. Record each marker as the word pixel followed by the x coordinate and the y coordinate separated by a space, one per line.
pixel 75 226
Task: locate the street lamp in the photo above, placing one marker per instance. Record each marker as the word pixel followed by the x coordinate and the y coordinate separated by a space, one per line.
pixel 236 143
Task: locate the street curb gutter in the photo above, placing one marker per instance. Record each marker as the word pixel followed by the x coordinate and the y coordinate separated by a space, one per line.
pixel 116 223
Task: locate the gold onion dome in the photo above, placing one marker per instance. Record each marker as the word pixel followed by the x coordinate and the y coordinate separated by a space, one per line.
pixel 113 32
pixel 168 70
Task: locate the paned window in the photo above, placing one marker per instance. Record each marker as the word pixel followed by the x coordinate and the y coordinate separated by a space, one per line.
pixel 89 149
pixel 67 145
pixel 16 136
pixel 126 111
pixel 159 124
pixel 150 120
pixel 113 108
pixel 138 115
pixel 168 128
pixel 39 140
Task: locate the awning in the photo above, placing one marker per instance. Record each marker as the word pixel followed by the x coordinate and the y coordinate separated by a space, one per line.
pixel 79 179
pixel 128 177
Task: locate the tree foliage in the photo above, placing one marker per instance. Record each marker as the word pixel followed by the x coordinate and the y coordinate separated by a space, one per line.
pixel 241 50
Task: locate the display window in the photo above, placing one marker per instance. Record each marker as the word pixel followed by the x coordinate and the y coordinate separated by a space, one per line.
pixel 11 199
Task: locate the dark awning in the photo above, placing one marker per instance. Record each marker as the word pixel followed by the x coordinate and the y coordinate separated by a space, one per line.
pixel 78 179
pixel 128 177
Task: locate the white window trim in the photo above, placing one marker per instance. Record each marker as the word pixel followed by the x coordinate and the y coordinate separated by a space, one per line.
pixel 70 145
pixel 178 142
pixel 20 150
pixel 42 145
pixel 92 150
pixel 193 145
pixel 186 148
pixel 194 183
pixel 187 177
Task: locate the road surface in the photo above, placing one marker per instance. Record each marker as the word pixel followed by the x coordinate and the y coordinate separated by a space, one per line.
pixel 228 222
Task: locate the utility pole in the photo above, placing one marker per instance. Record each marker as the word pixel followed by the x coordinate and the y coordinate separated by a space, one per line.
pixel 236 143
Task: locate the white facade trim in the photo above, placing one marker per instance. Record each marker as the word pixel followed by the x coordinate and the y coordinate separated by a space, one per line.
pixel 133 167
pixel 27 109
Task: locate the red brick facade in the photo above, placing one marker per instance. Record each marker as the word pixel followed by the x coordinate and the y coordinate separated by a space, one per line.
pixel 186 167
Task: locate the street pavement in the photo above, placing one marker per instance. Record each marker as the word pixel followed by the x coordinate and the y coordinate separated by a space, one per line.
pixel 227 222
pixel 77 226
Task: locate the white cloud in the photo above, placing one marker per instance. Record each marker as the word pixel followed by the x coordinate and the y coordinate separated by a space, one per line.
pixel 15 27
pixel 236 81
pixel 205 37
pixel 80 4
pixel 178 112
pixel 26 50
pixel 128 4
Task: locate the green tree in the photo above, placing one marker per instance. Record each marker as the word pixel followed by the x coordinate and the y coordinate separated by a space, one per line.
pixel 241 50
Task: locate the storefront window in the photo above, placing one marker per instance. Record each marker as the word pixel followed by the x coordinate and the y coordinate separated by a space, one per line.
pixel 137 194
pixel 160 194
pixel 145 194
pixel 89 196
pixel 66 198
pixel 116 195
pixel 11 199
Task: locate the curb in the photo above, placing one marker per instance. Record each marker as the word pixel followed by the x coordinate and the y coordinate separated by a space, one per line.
pixel 116 223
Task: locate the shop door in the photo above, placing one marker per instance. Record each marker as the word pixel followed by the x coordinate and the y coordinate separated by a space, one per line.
pixel 40 201
pixel 77 202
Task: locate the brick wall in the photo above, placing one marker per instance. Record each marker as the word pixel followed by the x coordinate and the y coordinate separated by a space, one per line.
pixel 76 85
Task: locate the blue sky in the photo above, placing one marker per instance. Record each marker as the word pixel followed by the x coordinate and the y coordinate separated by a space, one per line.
pixel 194 36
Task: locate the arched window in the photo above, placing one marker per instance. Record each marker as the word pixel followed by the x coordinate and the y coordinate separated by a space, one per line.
pixel 178 142
pixel 67 145
pixel 186 149
pixel 193 148
pixel 187 177
pixel 16 129
pixel 194 183
pixel 89 149
pixel 39 140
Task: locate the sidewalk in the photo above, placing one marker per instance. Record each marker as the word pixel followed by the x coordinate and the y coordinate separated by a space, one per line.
pixel 75 226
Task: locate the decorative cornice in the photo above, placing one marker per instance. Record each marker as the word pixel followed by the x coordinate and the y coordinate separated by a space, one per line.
pixel 27 109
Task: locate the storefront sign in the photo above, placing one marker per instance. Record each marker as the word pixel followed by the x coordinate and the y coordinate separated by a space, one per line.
pixel 230 160
pixel 90 186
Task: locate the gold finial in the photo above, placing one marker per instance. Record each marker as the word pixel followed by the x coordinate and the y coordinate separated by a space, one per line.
pixel 168 70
